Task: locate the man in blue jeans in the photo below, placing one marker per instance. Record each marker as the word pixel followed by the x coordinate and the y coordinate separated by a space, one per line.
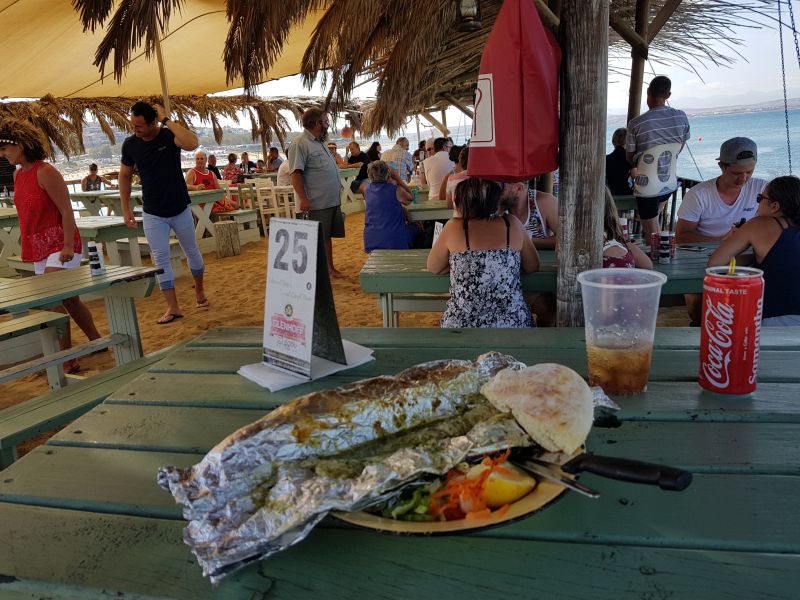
pixel 155 149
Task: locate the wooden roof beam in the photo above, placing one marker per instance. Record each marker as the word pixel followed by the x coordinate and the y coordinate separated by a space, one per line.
pixel 454 101
pixel 548 17
pixel 433 120
pixel 661 18
pixel 627 33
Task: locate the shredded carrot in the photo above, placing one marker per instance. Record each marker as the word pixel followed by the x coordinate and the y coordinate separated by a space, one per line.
pixel 459 491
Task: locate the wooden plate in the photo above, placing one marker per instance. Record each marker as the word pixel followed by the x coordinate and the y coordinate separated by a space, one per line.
pixel 543 495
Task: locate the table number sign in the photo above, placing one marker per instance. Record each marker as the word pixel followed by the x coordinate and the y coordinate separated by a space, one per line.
pixel 299 314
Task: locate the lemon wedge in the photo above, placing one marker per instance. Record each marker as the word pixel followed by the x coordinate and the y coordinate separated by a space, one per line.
pixel 504 485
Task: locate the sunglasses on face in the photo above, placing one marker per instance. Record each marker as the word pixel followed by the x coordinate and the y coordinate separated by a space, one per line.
pixel 760 197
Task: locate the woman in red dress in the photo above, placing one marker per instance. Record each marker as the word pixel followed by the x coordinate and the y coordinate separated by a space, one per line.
pixel 200 177
pixel 48 235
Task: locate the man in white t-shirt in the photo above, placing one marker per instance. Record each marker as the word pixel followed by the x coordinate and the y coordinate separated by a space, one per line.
pixel 713 209
pixel 437 166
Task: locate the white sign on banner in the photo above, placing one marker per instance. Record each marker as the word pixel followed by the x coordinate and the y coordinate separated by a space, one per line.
pixel 483 130
pixel 291 291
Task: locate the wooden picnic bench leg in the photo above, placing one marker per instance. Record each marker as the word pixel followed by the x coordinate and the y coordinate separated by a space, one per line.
pixel 55 374
pixel 8 456
pixel 121 312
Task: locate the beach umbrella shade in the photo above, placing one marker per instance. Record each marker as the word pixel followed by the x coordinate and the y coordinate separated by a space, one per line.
pixel 53 55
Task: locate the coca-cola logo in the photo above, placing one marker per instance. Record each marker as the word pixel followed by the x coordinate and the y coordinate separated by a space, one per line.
pixel 717 326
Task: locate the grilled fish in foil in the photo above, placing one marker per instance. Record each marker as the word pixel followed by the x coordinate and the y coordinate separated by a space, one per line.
pixel 264 487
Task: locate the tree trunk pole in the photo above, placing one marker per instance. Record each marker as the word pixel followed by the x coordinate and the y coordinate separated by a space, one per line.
pixel 584 83
pixel 637 60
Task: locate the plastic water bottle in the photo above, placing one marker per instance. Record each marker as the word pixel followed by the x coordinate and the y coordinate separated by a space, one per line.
pixel 96 266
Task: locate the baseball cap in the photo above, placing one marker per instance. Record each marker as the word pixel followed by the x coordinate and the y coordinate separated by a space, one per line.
pixel 738 151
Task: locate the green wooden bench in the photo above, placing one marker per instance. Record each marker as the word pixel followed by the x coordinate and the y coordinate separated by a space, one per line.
pixel 26 268
pixel 402 274
pixel 175 253
pixel 23 421
pixel 246 221
pixel 46 323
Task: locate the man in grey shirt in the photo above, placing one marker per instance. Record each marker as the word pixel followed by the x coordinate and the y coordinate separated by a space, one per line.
pixel 659 125
pixel 315 179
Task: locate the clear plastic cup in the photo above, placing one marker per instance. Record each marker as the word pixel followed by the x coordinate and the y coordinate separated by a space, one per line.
pixel 620 307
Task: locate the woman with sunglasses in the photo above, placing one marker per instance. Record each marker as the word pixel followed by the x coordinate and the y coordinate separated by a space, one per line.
pixel 774 236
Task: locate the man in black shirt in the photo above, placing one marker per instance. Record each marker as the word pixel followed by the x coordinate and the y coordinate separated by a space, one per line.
pixel 617 165
pixel 356 159
pixel 247 166
pixel 212 165
pixel 155 150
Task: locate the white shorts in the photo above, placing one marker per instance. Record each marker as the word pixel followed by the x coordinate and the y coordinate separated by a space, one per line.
pixel 54 261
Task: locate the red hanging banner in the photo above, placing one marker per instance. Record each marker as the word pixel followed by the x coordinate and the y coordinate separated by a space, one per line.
pixel 515 128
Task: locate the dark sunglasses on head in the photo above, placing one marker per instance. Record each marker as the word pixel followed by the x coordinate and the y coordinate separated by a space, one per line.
pixel 760 197
pixel 744 155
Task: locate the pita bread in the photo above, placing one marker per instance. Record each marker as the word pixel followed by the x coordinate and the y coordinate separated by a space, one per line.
pixel 551 402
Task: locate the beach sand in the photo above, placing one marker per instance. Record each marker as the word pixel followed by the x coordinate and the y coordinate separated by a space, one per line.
pixel 235 288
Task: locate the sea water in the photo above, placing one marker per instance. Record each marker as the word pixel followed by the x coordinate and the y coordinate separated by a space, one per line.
pixel 767 129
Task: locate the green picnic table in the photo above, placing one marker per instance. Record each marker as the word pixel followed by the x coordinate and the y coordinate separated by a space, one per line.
pixel 429 210
pixel 402 283
pixel 9 238
pixel 82 516
pixel 118 286
pixel 108 231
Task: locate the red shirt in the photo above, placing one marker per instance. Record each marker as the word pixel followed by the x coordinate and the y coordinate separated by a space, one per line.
pixel 41 230
pixel 207 180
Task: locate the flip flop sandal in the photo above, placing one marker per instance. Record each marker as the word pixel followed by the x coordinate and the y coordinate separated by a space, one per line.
pixel 202 303
pixel 169 319
pixel 72 367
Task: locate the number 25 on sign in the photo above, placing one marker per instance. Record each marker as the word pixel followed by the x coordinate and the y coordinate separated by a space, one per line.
pixel 299 316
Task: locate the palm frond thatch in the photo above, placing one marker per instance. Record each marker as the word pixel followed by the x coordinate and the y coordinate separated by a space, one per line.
pixel 62 119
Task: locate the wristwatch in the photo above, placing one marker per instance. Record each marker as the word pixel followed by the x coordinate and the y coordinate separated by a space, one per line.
pixel 164 121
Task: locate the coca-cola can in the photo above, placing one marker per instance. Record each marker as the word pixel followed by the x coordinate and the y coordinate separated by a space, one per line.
pixel 731 330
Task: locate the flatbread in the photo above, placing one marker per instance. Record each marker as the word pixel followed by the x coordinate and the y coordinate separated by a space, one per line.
pixel 550 401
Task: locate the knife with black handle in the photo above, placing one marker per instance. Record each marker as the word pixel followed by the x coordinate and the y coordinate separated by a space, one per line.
pixel 625 469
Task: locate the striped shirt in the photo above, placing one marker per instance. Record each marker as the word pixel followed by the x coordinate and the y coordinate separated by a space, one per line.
pixel 659 125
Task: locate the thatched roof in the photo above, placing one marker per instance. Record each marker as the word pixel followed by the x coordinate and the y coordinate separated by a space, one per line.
pixel 62 119
pixel 408 46
pixel 431 64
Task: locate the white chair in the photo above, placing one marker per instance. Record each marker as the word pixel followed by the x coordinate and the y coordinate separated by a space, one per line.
pixel 655 171
pixel 285 200
pixel 267 205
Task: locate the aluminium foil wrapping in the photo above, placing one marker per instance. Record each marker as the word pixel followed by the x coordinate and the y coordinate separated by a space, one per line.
pixel 264 487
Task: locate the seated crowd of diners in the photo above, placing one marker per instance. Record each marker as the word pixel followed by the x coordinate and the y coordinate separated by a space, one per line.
pixel 496 229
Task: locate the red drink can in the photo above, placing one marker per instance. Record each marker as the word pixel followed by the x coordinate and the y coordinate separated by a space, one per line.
pixel 655 242
pixel 731 330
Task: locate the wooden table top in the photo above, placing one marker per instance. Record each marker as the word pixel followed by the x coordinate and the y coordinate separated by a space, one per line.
pixel 90 494
pixel 48 289
pixel 8 217
pixel 403 272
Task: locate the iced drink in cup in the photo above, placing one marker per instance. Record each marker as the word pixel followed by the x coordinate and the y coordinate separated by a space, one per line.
pixel 620 308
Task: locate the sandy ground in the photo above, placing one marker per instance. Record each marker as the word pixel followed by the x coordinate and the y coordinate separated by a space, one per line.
pixel 235 288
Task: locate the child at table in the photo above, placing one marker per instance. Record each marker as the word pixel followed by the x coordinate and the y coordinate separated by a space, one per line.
pixel 484 254
pixel 48 234
pixel 617 251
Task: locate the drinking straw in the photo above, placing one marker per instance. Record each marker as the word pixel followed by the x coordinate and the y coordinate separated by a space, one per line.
pixel 732 267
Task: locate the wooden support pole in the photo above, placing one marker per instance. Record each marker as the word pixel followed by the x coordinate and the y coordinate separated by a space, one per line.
pixel 584 83
pixel 637 62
